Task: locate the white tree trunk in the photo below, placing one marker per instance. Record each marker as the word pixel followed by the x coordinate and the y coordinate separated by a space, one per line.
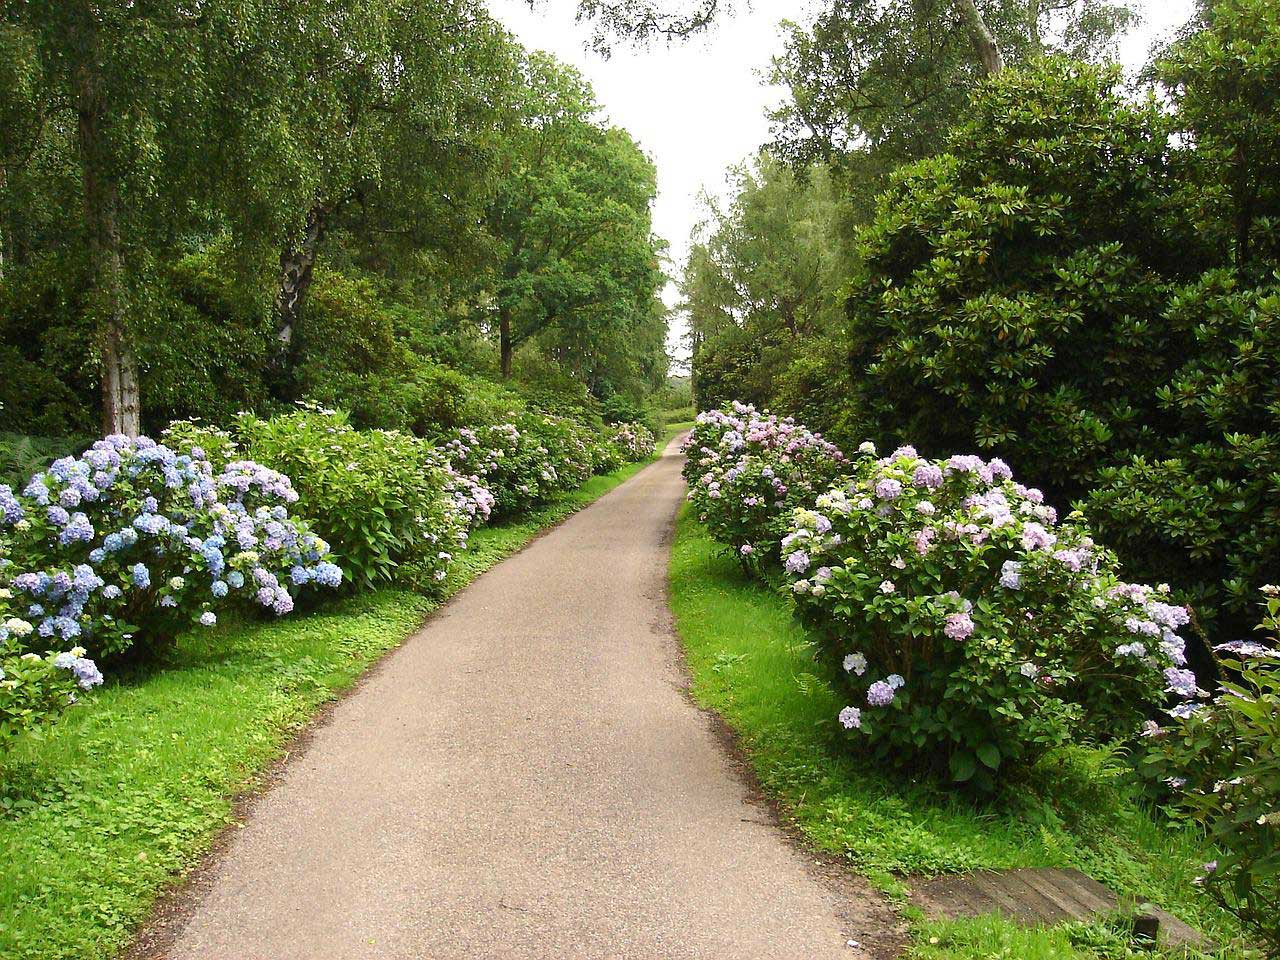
pixel 984 42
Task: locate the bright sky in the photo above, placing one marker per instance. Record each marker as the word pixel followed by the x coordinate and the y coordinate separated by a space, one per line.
pixel 699 107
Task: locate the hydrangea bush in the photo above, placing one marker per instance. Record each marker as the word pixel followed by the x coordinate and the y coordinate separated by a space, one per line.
pixel 634 441
pixel 134 541
pixel 384 500
pixel 527 460
pixel 748 469
pixel 36 690
pixel 971 628
pixel 1220 764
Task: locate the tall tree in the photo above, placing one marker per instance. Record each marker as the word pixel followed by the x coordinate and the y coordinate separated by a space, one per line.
pixel 394 101
pixel 873 83
pixel 571 217
pixel 763 274
pixel 146 99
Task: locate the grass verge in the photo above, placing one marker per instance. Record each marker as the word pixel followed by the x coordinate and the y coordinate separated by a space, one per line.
pixel 127 793
pixel 753 664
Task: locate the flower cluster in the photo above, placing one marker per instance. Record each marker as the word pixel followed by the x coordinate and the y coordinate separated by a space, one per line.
pixel 972 628
pixel 527 460
pixel 634 441
pixel 747 470
pixel 134 540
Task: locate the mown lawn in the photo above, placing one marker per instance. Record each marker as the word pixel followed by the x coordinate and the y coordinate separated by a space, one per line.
pixel 754 665
pixel 126 793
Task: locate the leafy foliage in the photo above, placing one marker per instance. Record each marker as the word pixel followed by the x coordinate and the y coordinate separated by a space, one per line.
pixel 972 630
pixel 1222 770
pixel 379 498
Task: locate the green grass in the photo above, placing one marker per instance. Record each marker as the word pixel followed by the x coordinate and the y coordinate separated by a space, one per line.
pixel 753 664
pixel 127 792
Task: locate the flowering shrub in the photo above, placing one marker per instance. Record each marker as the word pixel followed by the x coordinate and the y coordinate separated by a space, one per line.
pixel 748 469
pixel 635 441
pixel 973 630
pixel 526 461
pixel 133 541
pixel 382 499
pixel 1220 762
pixel 36 690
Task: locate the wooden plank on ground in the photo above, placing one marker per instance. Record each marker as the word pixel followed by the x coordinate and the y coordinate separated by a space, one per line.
pixel 1035 897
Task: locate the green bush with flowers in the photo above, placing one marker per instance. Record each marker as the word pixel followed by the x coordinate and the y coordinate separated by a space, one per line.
pixel 529 459
pixel 35 690
pixel 972 630
pixel 134 541
pixel 1221 766
pixel 747 469
pixel 384 500
pixel 633 441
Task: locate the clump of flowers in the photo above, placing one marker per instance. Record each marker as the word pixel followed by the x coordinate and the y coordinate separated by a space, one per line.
pixel 1220 765
pixel 634 441
pixel 385 501
pixel 525 461
pixel 134 541
pixel 747 470
pixel 972 629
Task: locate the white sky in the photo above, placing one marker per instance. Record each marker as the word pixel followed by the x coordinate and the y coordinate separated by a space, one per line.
pixel 699 107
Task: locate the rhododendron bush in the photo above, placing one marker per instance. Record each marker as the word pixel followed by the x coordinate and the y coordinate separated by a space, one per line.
pixel 134 541
pixel 748 469
pixel 971 628
pixel 1222 769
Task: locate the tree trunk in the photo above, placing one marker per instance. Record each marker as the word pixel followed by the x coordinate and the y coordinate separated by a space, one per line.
pixel 297 263
pixel 983 41
pixel 121 395
pixel 504 341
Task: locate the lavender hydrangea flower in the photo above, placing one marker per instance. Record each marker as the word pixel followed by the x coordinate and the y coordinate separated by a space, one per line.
pixel 851 718
pixel 1180 682
pixel 958 626
pixel 797 562
pixel 880 694
pixel 1011 575
pixel 888 489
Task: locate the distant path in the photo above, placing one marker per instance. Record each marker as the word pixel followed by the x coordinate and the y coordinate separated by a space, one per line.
pixel 525 778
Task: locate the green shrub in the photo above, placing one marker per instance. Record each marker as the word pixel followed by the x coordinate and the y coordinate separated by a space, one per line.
pixel 971 630
pixel 1203 509
pixel 1220 764
pixel 747 470
pixel 380 498
pixel 1012 288
pixel 36 690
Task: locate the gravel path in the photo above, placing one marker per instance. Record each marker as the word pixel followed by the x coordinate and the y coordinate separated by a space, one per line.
pixel 525 778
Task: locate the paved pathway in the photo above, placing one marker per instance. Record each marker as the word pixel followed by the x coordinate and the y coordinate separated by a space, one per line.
pixel 525 778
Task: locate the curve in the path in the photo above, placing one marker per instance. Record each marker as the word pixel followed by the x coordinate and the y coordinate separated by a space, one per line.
pixel 525 778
